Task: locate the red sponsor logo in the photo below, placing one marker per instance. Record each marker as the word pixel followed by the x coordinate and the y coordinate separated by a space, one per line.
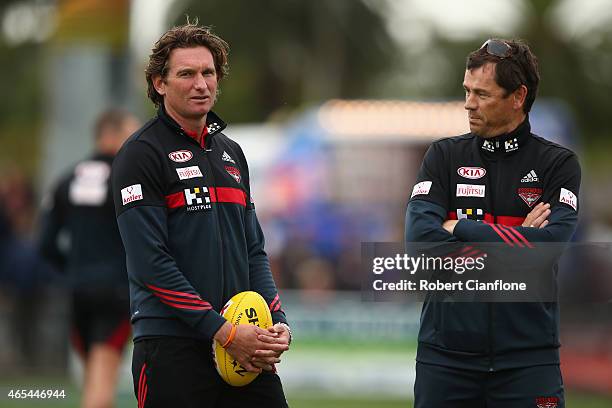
pixel 530 195
pixel 234 172
pixel 471 172
pixel 180 156
pixel 547 402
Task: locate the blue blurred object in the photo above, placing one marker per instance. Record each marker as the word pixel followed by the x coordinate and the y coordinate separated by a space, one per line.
pixel 21 267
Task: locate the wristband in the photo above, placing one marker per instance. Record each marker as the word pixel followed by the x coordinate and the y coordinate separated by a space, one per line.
pixel 286 326
pixel 230 338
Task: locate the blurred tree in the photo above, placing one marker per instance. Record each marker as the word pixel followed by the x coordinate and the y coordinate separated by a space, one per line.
pixel 21 107
pixel 578 75
pixel 570 70
pixel 286 53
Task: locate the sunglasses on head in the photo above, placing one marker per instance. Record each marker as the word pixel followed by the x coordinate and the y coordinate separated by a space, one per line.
pixel 497 48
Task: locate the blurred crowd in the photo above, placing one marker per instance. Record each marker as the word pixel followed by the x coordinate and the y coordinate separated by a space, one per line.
pixel 29 290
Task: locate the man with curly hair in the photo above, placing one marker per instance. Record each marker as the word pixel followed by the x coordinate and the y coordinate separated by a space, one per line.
pixel 192 238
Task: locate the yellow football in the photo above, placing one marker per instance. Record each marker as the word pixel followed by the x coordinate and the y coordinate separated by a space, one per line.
pixel 244 308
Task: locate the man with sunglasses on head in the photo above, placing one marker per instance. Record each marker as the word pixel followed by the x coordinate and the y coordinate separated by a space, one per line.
pixel 498 183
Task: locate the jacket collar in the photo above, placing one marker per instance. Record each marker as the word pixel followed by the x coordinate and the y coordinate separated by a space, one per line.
pixel 506 143
pixel 214 124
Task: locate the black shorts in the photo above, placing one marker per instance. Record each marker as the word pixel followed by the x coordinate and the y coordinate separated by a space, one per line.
pixel 529 387
pixel 180 372
pixel 100 317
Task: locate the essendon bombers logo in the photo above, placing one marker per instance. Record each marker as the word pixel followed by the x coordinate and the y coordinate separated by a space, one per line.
pixel 234 172
pixel 472 173
pixel 180 156
pixel 530 195
pixel 547 402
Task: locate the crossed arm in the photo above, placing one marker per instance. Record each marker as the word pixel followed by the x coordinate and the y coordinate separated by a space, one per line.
pixel 426 222
pixel 537 218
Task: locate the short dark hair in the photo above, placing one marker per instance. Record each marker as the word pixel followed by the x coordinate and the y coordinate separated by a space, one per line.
pixel 186 36
pixel 518 68
pixel 110 119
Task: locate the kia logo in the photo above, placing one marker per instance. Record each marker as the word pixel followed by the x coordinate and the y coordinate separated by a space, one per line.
pixel 471 172
pixel 180 156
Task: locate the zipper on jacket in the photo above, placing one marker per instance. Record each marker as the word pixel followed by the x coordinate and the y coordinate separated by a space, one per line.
pixel 207 149
pixel 497 183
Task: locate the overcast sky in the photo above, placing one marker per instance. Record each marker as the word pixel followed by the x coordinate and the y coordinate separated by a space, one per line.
pixel 412 21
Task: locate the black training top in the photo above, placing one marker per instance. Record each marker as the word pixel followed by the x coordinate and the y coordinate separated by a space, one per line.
pixel 79 233
pixel 189 228
pixel 491 185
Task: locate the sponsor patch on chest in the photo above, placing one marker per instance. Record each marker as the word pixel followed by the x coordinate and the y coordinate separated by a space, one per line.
pixel 90 183
pixel 471 172
pixel 470 213
pixel 421 188
pixel 569 198
pixel 180 156
pixel 189 172
pixel 530 195
pixel 470 190
pixel 197 199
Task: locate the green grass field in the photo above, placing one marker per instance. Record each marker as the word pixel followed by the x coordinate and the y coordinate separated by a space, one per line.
pixel 574 400
pixel 126 400
pixel 297 398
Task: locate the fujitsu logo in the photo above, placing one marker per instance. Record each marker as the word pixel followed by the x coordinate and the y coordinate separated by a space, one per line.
pixel 471 172
pixel 470 190
pixel 185 173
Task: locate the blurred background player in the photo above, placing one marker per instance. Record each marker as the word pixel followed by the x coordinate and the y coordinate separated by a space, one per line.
pixel 80 237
